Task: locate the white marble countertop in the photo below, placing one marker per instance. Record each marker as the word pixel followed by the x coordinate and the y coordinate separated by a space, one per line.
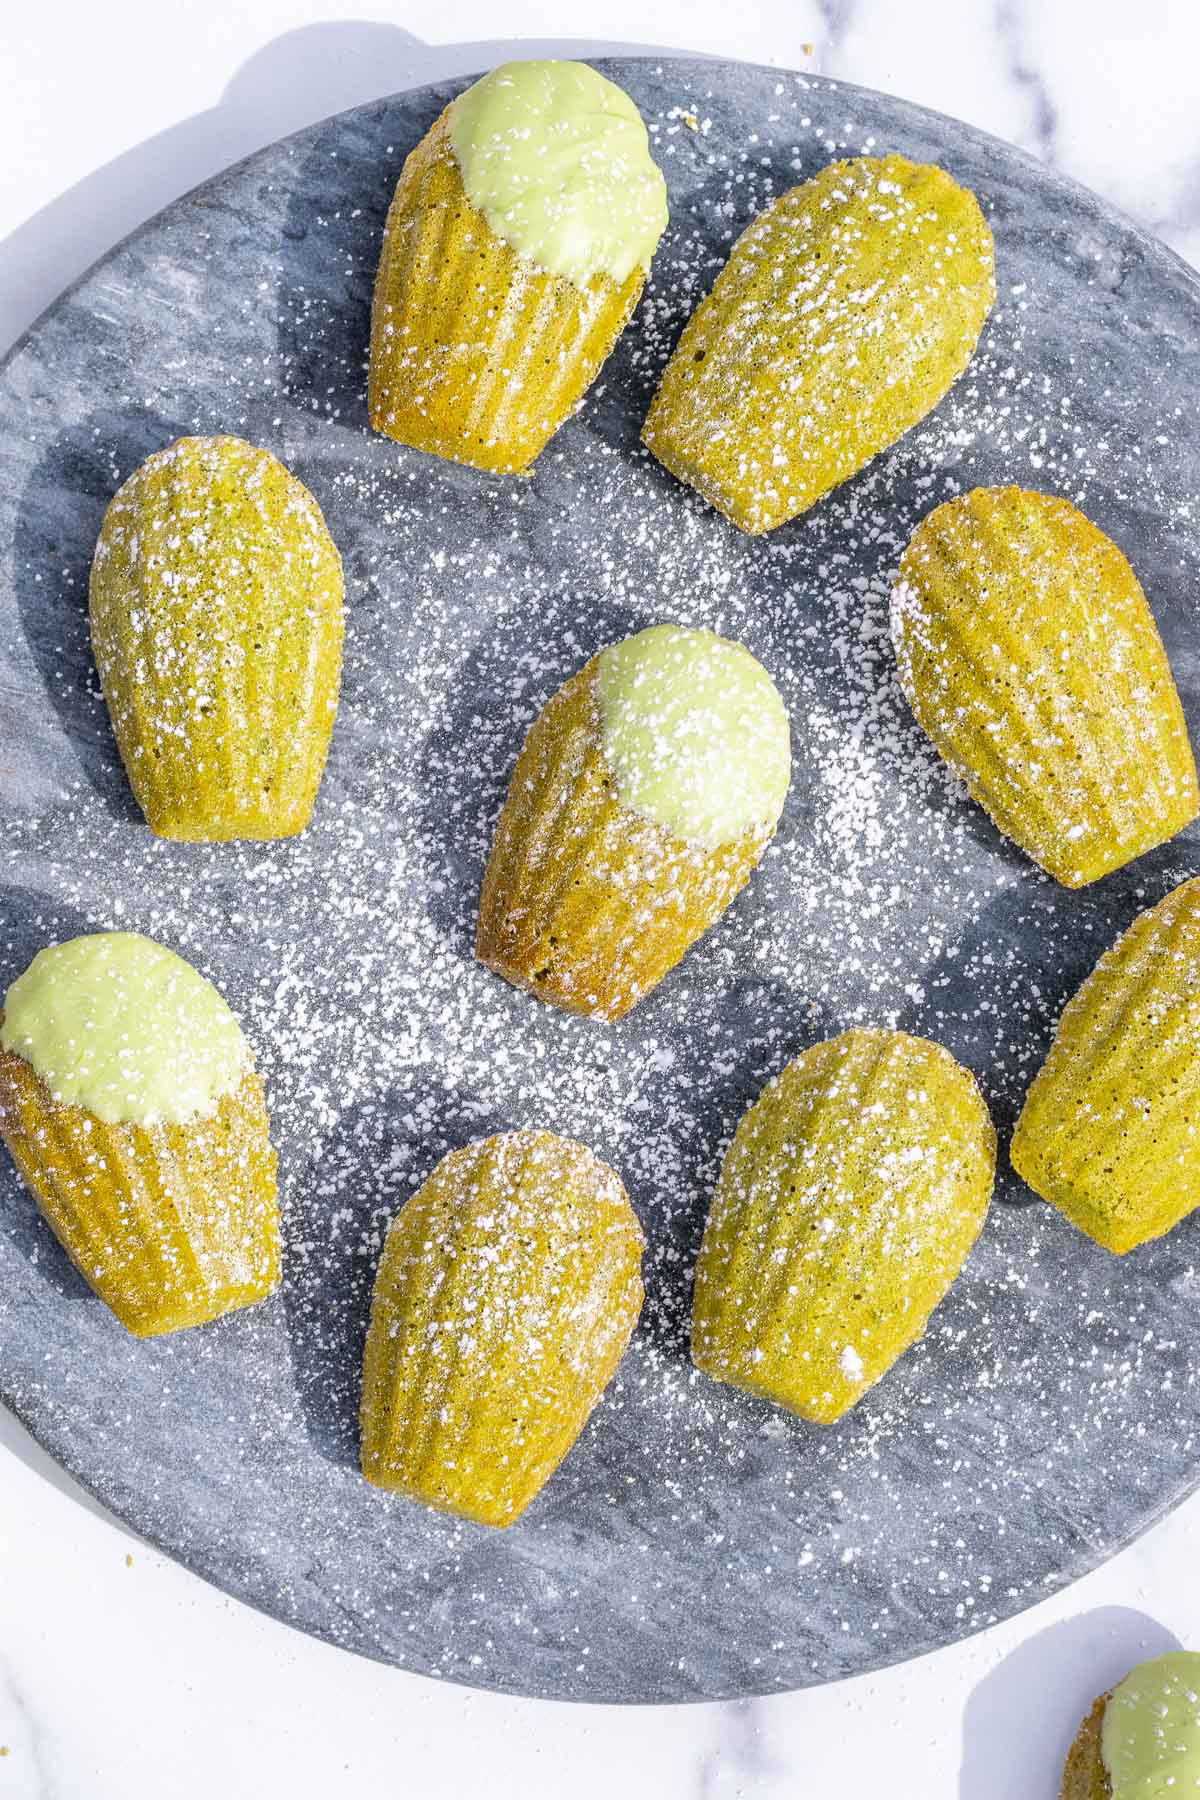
pixel 121 1676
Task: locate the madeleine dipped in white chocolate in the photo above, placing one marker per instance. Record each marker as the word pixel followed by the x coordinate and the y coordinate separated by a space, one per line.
pixel 1141 1741
pixel 643 798
pixel 131 1106
pixel 516 246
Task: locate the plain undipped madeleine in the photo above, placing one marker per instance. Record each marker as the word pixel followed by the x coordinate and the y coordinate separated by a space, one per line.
pixel 1110 1129
pixel 845 312
pixel 637 810
pixel 151 1161
pixel 1027 651
pixel 216 621
pixel 485 333
pixel 847 1204
pixel 508 1289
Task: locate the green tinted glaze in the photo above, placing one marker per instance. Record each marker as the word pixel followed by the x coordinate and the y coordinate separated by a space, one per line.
pixel 122 1026
pixel 1150 1738
pixel 558 161
pixel 695 734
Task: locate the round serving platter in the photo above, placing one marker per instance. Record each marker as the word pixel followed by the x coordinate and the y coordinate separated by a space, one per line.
pixel 696 1543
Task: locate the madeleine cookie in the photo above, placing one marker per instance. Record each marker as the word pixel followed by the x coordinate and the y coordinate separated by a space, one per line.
pixel 515 249
pixel 132 1109
pixel 847 1204
pixel 508 1289
pixel 643 798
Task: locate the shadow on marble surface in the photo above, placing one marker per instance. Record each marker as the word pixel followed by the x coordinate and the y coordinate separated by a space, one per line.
pixel 299 77
pixel 16 1440
pixel 31 922
pixel 492 698
pixel 741 1760
pixel 24 1226
pixel 1020 1720
pixel 327 260
pixel 58 520
pixel 730 1089
pixel 336 1214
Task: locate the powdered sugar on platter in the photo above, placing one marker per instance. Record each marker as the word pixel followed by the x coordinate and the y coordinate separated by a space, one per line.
pixel 696 1543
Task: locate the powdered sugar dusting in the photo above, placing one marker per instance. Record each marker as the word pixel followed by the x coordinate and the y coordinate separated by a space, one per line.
pixel 695 1542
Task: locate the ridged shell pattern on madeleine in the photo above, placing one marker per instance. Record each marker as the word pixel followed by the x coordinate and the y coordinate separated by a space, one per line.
pixel 847 1204
pixel 133 1112
pixel 508 1289
pixel 1030 657
pixel 644 796
pixel 515 249
pixel 1084 1776
pixel 216 616
pixel 845 312
pixel 1110 1129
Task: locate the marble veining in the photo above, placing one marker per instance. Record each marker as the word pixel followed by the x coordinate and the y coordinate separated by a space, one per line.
pixel 1028 78
pixel 696 1544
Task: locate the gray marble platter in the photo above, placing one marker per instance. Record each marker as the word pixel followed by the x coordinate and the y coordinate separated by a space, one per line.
pixel 696 1543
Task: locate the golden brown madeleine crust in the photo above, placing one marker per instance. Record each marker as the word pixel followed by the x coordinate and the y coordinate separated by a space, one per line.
pixel 847 1204
pixel 172 1225
pixel 216 620
pixel 477 354
pixel 1030 657
pixel 1110 1129
pixel 843 315
pixel 508 1289
pixel 1084 1774
pixel 585 903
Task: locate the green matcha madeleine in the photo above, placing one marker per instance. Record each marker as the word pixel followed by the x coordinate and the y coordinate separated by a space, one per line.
pixel 1110 1129
pixel 1142 1740
pixel 1084 1775
pixel 517 243
pixel 846 310
pixel 216 620
pixel 847 1204
pixel 1028 653
pixel 132 1109
pixel 644 796
pixel 508 1289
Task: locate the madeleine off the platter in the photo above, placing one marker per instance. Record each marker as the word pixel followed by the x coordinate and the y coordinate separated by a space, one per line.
pixel 1141 1741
